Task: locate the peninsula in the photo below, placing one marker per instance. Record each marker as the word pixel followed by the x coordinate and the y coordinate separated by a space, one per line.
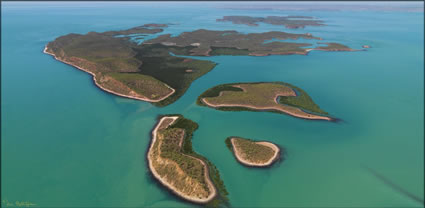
pixel 176 166
pixel 122 67
pixel 253 153
pixel 278 97
pixel 292 22
pixel 153 71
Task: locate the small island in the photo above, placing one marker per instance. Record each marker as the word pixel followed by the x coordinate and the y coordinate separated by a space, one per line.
pixel 176 166
pixel 154 71
pixel 155 25
pixel 253 153
pixel 292 22
pixel 333 47
pixel 277 97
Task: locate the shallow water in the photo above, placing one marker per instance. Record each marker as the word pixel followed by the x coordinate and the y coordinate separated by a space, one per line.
pixel 67 143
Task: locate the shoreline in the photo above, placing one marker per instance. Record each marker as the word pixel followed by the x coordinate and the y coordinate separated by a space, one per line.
pixel 305 52
pixel 251 164
pixel 331 50
pixel 312 117
pixel 169 186
pixel 107 90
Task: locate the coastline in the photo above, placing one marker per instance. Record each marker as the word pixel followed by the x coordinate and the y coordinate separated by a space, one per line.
pixel 312 117
pixel 107 90
pixel 330 50
pixel 305 52
pixel 248 163
pixel 169 186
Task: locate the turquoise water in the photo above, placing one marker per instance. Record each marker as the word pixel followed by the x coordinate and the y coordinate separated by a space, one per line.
pixel 67 143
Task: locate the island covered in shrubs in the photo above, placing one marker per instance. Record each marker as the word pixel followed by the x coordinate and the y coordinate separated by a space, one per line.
pixel 175 165
pixel 253 153
pixel 278 97
pixel 153 71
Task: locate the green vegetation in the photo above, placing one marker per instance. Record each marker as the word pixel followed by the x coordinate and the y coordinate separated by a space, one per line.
pixel 189 127
pixel 97 48
pixel 220 51
pixel 230 42
pixel 174 142
pixel 334 47
pixel 170 149
pixel 144 29
pixel 262 95
pixel 142 84
pixel 184 172
pixel 215 91
pixel 249 150
pixel 229 143
pixel 155 25
pixel 302 100
pixel 257 94
pixel 143 71
pixel 287 21
pixel 176 72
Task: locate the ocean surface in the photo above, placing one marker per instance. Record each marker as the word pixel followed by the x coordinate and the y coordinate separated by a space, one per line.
pixel 66 143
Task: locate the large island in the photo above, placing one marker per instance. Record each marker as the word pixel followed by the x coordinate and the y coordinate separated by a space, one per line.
pixel 253 153
pixel 153 71
pixel 175 165
pixel 278 97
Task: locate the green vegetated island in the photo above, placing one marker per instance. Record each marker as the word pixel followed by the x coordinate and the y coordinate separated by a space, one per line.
pixel 292 22
pixel 174 164
pixel 152 71
pixel 278 97
pixel 253 153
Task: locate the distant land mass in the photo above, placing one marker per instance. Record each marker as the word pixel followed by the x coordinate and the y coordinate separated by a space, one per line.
pixel 408 6
pixel 152 71
pixel 292 22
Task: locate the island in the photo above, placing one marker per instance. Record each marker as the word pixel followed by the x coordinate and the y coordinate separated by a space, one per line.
pixel 177 167
pixel 155 71
pixel 292 22
pixel 231 42
pixel 278 97
pixel 253 153
pixel 155 25
pixel 124 68
pixel 333 47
